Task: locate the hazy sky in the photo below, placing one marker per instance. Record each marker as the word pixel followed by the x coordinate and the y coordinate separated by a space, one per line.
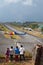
pixel 21 10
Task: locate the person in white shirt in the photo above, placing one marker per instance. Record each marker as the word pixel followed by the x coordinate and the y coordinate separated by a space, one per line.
pixel 22 51
pixel 11 53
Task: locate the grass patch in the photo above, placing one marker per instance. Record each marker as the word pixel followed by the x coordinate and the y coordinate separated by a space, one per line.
pixel 7 36
pixel 12 36
pixel 1 55
pixel 18 63
pixel 3 28
pixel 15 37
pixel 35 33
pixel 28 61
pixel 28 54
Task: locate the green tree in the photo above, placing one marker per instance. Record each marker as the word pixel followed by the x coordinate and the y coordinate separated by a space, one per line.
pixel 34 25
pixel 42 29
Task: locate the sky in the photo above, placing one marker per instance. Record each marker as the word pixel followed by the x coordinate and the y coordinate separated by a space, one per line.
pixel 21 10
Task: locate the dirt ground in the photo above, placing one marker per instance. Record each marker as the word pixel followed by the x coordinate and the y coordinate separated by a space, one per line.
pixel 29 62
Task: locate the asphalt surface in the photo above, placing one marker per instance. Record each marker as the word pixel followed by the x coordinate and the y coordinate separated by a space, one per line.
pixel 28 41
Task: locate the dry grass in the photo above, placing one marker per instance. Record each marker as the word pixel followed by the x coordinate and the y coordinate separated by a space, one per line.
pixel 35 33
pixel 26 62
pixel 12 36
pixel 7 36
pixel 15 37
pixel 18 63
pixel 3 28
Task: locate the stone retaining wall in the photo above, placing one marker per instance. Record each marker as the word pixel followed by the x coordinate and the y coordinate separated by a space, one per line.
pixel 39 56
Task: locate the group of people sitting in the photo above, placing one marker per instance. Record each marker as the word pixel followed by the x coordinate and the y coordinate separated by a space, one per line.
pixel 15 53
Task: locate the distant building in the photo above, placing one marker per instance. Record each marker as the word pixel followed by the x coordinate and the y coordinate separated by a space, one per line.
pixel 25 28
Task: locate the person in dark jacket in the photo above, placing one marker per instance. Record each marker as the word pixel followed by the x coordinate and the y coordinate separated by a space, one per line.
pixel 7 54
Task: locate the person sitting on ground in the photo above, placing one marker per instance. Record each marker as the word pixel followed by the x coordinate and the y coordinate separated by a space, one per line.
pixel 22 51
pixel 16 50
pixel 11 53
pixel 7 54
